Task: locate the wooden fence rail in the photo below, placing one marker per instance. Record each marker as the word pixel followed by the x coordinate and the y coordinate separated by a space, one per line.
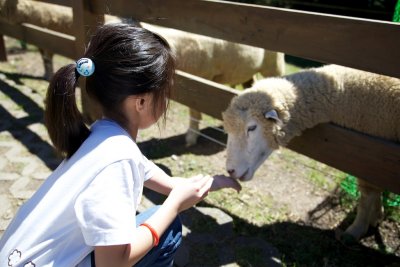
pixel 359 43
pixel 363 44
pixel 57 42
pixel 57 2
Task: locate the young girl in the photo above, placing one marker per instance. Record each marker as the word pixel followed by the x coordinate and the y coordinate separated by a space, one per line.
pixel 84 214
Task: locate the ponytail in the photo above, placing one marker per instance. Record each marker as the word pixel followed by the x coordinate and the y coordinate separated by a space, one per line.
pixel 62 118
pixel 128 61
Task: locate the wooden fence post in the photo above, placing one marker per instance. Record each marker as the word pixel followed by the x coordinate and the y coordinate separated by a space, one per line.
pixel 84 23
pixel 3 52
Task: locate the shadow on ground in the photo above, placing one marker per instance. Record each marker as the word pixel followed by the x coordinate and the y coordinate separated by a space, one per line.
pixel 19 127
pixel 212 244
pixel 175 145
pixel 17 77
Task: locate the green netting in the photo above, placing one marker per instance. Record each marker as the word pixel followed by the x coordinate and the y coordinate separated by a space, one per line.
pixel 396 15
pixel 349 185
pixel 390 199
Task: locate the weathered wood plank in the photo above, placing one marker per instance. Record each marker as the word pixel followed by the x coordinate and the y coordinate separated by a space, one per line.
pixel 370 158
pixel 49 16
pixel 57 2
pixel 367 157
pixel 85 22
pixel 203 95
pixel 3 52
pixel 54 41
pixel 358 43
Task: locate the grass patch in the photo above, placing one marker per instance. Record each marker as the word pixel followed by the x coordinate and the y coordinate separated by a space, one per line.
pixel 250 205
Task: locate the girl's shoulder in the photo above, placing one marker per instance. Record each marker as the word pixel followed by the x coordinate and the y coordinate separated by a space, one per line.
pixel 108 141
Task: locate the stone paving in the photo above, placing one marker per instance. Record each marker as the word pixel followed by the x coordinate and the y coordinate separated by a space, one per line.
pixel 27 158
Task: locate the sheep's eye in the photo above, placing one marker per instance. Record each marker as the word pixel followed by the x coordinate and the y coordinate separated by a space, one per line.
pixel 251 128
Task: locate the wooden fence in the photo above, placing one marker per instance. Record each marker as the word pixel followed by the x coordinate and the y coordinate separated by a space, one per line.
pixel 359 43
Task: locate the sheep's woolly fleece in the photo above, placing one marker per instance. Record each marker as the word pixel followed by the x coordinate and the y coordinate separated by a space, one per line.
pixel 219 60
pixel 362 101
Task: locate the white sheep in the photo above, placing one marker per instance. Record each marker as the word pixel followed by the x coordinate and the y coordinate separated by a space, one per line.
pixel 219 61
pixel 275 110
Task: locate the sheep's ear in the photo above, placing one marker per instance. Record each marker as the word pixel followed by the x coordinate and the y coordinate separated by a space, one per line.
pixel 273 115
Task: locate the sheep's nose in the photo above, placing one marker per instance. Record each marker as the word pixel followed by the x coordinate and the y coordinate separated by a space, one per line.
pixel 231 171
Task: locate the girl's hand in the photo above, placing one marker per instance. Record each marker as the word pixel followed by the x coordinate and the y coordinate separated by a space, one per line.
pixel 222 181
pixel 190 191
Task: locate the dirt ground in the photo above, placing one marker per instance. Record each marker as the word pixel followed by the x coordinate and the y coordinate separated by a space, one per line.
pixel 293 202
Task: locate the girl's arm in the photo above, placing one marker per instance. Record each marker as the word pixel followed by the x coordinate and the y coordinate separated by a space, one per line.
pixel 130 254
pixel 182 197
pixel 163 183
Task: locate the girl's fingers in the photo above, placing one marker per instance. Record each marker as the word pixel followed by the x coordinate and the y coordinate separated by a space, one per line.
pixel 201 182
pixel 197 178
pixel 205 185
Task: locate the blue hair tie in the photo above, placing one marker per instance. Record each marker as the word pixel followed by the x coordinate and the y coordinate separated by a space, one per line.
pixel 85 66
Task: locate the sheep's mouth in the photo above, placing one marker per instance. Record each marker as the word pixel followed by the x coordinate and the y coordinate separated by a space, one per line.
pixel 243 177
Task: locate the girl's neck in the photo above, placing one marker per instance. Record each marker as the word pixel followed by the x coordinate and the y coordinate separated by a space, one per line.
pixel 132 130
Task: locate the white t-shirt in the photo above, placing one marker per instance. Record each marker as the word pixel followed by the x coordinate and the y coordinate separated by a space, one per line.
pixel 89 200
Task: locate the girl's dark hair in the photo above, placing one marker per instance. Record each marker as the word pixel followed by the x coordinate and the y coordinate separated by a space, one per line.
pixel 129 60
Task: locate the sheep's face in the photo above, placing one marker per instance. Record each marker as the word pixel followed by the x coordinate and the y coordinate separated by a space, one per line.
pixel 250 141
pixel 255 122
pixel 246 151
